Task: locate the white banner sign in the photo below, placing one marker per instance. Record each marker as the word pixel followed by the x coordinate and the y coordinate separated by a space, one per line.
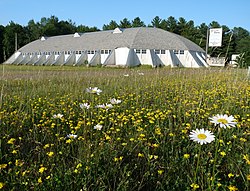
pixel 215 37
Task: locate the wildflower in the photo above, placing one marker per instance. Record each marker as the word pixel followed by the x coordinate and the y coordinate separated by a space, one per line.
pixel 248 177
pixel 140 155
pixel 42 169
pixel 98 127
pixel 39 180
pixel 105 106
pixel 115 101
pixel 202 136
pixel 50 154
pixel 186 156
pixel 11 141
pixel 232 188
pixel 94 90
pixel 141 74
pixel 1 185
pixel 71 136
pixel 2 166
pixel 224 121
pixel 194 186
pixel 223 153
pixel 126 75
pixel 57 116
pixel 230 175
pixel 160 172
pixel 84 106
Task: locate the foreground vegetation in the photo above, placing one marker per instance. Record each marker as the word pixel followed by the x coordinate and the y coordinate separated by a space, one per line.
pixel 55 135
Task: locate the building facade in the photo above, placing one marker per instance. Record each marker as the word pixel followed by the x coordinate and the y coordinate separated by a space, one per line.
pixel 118 47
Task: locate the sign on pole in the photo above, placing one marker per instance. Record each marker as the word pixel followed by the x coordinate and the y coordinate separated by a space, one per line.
pixel 215 37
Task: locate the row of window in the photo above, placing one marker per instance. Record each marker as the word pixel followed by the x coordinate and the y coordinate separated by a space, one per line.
pixel 138 51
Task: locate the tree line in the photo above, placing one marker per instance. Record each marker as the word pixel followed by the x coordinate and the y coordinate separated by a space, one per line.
pixel 235 41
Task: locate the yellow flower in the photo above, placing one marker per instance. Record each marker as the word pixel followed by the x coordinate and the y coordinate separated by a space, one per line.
pixel 186 156
pixel 230 175
pixel 232 188
pixel 39 180
pixel 42 169
pixel 79 165
pixel 140 155
pixel 68 141
pixel 223 153
pixel 2 166
pixel 160 172
pixel 194 186
pixel 248 177
pixel 11 141
pixel 1 185
pixel 50 154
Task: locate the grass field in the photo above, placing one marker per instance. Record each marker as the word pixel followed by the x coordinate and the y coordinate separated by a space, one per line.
pixel 58 134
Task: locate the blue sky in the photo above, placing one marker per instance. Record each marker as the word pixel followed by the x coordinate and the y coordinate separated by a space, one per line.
pixel 96 13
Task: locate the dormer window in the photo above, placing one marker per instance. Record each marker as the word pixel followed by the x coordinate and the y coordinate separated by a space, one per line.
pixel 117 30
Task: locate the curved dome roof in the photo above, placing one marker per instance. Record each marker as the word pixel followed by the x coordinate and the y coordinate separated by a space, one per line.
pixel 137 38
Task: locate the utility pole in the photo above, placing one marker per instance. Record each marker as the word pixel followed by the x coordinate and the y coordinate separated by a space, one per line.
pixel 207 43
pixel 15 42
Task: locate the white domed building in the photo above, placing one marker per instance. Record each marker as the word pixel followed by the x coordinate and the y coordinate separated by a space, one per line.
pixel 121 47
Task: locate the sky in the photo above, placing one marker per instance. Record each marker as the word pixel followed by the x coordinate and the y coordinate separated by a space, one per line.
pixel 96 13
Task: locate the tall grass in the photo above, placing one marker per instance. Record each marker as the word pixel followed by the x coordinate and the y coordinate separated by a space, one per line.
pixel 144 141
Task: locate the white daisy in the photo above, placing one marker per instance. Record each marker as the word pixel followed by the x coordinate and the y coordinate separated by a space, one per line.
pixel 202 136
pixel 94 90
pixel 224 121
pixel 115 101
pixel 58 116
pixel 71 136
pixel 98 127
pixel 84 105
pixel 105 106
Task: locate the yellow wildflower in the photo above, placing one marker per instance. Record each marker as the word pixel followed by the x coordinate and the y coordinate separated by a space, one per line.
pixel 140 155
pixel 42 169
pixel 230 175
pixel 194 186
pixel 50 154
pixel 1 185
pixel 11 141
pixel 160 172
pixel 2 166
pixel 39 180
pixel 232 188
pixel 186 156
pixel 223 153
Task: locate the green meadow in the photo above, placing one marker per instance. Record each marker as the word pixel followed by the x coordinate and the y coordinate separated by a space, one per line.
pixel 132 134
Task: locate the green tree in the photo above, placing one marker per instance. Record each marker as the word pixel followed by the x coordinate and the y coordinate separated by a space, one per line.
pixel 156 22
pixel 83 28
pixel 125 23
pixel 9 38
pixel 111 26
pixel 243 48
pixel 137 22
pixel 1 44
pixel 172 25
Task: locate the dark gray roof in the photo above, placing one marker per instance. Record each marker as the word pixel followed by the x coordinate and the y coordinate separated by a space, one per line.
pixel 137 38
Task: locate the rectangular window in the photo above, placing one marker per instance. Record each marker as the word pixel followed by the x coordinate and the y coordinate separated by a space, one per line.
pixel 138 51
pixel 106 52
pixel 163 52
pixel 143 51
pixel 92 52
pixel 88 52
pixel 109 51
pixel 157 51
pixel 102 51
pixel 176 52
pixel 181 51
